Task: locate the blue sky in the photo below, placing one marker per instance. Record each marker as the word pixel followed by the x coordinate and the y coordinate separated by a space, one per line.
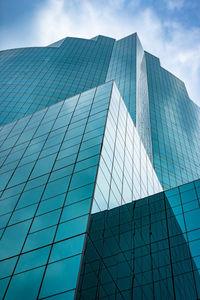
pixel 169 29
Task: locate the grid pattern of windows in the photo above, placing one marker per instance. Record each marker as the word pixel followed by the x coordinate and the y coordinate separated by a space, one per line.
pixel 175 127
pixel 122 69
pixel 34 78
pixel 49 166
pixel 148 249
pixel 143 123
pixel 125 172
pixel 70 170
pixel 166 120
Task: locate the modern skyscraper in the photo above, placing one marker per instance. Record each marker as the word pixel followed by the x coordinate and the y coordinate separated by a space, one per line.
pixel 100 197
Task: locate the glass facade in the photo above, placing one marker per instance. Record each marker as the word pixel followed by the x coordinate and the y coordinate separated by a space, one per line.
pixel 34 78
pixel 48 176
pixel 49 179
pixel 122 69
pixel 125 171
pixel 147 249
pixel 96 141
pixel 166 119
pixel 175 126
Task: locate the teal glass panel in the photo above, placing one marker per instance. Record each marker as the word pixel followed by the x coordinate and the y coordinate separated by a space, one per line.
pixel 66 248
pixel 39 239
pixel 7 267
pixel 68 295
pixel 80 193
pixel 45 220
pixel 25 285
pixel 32 259
pixel 13 239
pixel 58 278
pixel 72 228
pixel 51 204
pixel 4 284
pixel 76 210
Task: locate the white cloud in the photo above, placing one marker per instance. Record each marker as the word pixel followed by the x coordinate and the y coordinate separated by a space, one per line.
pixel 177 48
pixel 175 4
pixel 51 22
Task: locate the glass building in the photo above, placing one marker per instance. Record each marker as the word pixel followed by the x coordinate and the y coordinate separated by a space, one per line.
pixel 99 177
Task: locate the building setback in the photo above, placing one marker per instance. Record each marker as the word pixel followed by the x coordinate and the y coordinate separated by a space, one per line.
pixel 100 161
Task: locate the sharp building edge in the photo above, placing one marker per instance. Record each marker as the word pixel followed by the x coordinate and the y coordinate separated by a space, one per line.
pixel 99 177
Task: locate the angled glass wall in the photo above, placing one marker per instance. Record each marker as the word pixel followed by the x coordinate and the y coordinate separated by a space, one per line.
pixel 143 123
pixel 166 119
pixel 175 127
pixel 49 165
pixel 147 249
pixel 71 170
pixel 48 181
pixel 37 77
pixel 125 171
pixel 122 69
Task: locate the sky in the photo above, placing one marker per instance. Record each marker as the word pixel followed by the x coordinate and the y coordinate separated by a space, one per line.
pixel 169 29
